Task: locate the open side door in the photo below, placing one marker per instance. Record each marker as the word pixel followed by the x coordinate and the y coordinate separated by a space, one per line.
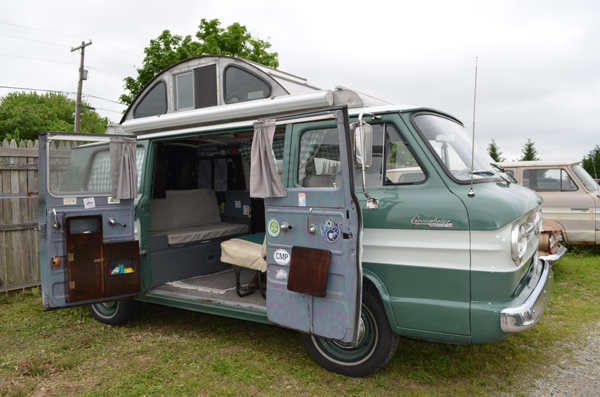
pixel 88 252
pixel 314 273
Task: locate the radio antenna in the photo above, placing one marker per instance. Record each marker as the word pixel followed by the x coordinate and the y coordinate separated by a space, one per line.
pixel 471 192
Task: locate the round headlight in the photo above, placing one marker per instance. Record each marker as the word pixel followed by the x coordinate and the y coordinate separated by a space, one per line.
pixel 518 242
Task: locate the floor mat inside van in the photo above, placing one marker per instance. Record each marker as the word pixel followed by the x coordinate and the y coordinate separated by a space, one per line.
pixel 215 283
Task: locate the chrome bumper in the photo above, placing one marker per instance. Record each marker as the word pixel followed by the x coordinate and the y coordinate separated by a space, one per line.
pixel 521 318
pixel 553 258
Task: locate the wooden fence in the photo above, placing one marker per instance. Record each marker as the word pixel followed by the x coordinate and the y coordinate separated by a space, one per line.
pixel 19 252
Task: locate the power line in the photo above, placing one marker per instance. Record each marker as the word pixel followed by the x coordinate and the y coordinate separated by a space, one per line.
pixel 66 63
pixel 114 60
pixel 70 35
pixel 60 92
pixel 43 30
pixel 38 41
pixel 38 59
pixel 62 45
pixel 41 99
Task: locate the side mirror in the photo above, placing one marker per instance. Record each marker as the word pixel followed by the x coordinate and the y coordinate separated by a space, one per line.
pixel 363 144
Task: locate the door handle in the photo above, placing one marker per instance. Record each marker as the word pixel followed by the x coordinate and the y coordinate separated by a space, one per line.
pixel 579 209
pixel 112 222
pixel 312 229
pixel 56 224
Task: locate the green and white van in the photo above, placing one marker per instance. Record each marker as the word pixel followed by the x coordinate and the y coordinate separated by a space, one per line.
pixel 360 212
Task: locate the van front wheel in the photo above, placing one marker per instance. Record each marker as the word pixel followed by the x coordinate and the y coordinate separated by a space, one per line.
pixel 115 312
pixel 374 350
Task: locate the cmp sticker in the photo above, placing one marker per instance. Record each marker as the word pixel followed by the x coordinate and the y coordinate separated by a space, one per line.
pixel 273 227
pixel 281 274
pixel 282 257
pixel 330 230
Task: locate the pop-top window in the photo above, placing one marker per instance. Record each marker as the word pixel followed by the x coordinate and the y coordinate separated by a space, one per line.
pixel 185 91
pixel 241 86
pixel 153 103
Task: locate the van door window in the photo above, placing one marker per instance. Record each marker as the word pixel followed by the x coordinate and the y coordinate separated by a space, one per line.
pixel 319 159
pixel 400 165
pixel 392 158
pixel 99 180
pixel 548 180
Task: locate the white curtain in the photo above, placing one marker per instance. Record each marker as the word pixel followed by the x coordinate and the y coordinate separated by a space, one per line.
pixel 264 179
pixel 123 169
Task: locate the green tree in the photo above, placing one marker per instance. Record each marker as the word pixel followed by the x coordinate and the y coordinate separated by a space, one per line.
pixel 23 115
pixel 495 152
pixel 168 49
pixel 529 152
pixel 591 162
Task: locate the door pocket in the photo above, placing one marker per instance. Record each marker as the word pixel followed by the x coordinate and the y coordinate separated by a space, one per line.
pixel 309 270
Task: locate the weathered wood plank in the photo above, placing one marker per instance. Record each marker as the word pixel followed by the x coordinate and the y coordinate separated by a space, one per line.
pixel 23 246
pixel 18 167
pixel 26 284
pixel 18 226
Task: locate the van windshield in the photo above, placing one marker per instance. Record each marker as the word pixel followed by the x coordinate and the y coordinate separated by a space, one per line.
pixel 450 143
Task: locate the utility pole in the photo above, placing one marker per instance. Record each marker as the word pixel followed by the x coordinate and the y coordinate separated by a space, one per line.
pixel 80 85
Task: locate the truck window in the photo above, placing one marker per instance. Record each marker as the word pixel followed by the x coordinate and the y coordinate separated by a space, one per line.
pixel 585 178
pixel 548 180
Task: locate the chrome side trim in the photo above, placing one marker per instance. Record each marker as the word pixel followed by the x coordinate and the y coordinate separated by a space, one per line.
pixel 521 318
pixel 553 258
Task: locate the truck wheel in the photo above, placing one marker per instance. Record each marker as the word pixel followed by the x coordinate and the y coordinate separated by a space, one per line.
pixel 373 351
pixel 115 312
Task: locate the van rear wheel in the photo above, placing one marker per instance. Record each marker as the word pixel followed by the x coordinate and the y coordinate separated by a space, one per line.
pixel 115 312
pixel 374 350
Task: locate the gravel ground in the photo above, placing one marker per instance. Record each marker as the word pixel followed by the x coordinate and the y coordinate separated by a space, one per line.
pixel 576 372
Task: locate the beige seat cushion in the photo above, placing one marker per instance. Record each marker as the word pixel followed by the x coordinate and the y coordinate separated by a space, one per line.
pixel 205 232
pixel 244 254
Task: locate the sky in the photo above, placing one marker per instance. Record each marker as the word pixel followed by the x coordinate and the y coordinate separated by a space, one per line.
pixel 538 61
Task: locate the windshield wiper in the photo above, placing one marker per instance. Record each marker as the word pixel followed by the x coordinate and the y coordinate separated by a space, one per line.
pixel 483 172
pixel 511 179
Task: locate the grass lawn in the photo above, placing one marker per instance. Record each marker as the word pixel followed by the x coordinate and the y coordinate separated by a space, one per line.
pixel 169 352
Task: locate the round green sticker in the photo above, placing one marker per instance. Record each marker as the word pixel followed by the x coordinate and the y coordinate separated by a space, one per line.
pixel 273 227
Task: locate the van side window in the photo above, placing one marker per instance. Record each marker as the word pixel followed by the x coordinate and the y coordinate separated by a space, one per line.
pixel 241 86
pixel 319 159
pixel 392 158
pixel 548 180
pixel 153 103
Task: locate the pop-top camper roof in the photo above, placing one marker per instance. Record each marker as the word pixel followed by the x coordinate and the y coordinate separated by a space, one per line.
pixel 215 89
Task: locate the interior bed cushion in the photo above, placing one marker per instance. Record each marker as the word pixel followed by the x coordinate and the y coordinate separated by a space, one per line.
pixel 247 251
pixel 190 215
